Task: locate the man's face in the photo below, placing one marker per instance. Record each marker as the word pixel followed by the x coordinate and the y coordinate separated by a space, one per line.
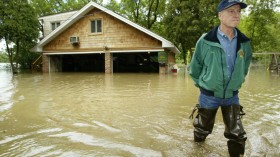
pixel 230 17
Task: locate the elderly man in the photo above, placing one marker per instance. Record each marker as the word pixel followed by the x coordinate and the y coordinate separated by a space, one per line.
pixel 218 68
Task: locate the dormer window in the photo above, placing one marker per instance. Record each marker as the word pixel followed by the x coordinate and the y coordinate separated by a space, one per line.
pixel 96 26
pixel 55 25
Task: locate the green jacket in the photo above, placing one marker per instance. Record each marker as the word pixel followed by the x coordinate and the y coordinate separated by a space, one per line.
pixel 208 67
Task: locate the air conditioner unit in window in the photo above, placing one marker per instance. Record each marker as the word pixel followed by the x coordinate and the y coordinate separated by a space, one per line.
pixel 74 40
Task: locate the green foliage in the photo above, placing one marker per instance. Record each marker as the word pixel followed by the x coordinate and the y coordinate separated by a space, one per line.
pixel 261 25
pixel 26 58
pixel 185 21
pixel 274 30
pixel 114 6
pixel 49 7
pixel 18 26
pixel 4 58
pixel 143 12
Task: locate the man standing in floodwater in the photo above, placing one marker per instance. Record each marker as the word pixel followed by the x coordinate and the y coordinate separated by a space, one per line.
pixel 218 68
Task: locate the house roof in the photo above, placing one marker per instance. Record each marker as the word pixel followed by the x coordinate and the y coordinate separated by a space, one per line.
pixel 79 14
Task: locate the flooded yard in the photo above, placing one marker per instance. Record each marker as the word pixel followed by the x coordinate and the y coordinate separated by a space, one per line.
pixel 142 115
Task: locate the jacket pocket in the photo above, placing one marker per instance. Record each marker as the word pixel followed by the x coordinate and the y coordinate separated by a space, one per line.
pixel 238 75
pixel 212 76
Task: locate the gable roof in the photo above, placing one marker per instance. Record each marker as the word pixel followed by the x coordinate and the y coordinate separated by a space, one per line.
pixel 79 14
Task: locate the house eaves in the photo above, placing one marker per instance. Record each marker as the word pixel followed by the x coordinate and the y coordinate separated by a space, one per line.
pixel 81 13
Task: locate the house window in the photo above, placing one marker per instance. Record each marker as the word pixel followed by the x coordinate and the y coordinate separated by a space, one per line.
pixel 96 26
pixel 55 25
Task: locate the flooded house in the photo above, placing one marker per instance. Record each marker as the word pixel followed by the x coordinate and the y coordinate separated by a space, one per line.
pixel 96 39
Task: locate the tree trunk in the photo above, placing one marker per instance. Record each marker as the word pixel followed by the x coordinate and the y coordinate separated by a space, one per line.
pixel 10 55
pixel 16 55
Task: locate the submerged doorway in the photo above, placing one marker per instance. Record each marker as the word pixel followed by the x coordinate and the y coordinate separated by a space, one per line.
pixel 122 62
pixel 135 62
pixel 77 63
pixel 83 63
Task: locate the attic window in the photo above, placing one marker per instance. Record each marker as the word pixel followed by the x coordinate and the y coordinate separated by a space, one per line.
pixel 96 26
pixel 55 25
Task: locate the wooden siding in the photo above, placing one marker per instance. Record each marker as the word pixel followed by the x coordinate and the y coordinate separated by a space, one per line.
pixel 116 35
pixel 47 20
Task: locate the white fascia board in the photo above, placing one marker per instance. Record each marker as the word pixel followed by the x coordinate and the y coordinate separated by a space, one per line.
pixel 36 48
pixel 95 52
pixel 70 53
pixel 132 51
pixel 54 15
pixel 174 49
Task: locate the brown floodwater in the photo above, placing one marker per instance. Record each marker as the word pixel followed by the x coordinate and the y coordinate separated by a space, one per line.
pixel 141 115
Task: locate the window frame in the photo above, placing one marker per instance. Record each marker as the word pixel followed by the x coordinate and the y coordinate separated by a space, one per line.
pixel 56 24
pixel 96 26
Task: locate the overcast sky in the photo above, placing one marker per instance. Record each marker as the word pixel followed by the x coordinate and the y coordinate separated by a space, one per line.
pixel 2 45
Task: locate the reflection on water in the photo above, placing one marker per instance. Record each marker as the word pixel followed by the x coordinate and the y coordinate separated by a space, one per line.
pixel 92 114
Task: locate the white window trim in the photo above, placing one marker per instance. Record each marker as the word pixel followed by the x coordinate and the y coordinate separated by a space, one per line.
pixel 96 19
pixel 56 24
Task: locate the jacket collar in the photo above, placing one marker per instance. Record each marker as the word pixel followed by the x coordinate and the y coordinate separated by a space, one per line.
pixel 212 37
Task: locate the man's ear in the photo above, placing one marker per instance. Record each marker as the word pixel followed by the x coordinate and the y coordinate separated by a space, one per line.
pixel 219 15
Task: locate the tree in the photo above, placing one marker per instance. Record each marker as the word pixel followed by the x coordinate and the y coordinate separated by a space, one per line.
pixel 49 7
pixel 186 21
pixel 143 12
pixel 259 23
pixel 18 25
pixel 3 58
pixel 274 29
pixel 26 58
pixel 114 6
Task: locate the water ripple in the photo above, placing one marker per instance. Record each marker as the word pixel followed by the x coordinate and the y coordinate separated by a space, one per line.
pixel 6 106
pixel 97 142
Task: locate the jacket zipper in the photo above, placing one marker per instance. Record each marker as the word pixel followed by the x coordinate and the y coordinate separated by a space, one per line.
pixel 225 82
pixel 224 94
